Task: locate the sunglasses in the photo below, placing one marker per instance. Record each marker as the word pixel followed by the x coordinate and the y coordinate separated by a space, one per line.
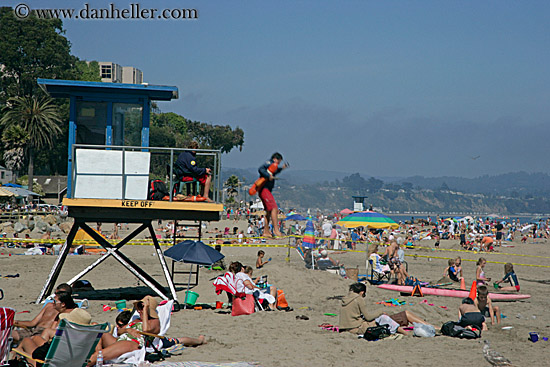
pixel 120 324
pixel 139 306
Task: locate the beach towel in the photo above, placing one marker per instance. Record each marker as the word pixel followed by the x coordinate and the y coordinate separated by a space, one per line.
pixel 7 316
pixel 226 283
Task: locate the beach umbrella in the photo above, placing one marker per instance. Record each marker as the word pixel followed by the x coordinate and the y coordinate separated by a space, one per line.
pixel 5 193
pixel 295 216
pixel 309 239
pixel 346 211
pixel 193 252
pixel 367 219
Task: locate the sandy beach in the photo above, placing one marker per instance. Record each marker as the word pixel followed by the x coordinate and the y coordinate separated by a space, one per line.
pixel 279 339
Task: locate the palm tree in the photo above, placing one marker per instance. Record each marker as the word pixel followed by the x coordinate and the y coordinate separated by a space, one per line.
pixel 15 139
pixel 232 184
pixel 39 118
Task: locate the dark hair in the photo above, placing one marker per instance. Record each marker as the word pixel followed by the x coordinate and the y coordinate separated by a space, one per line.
pixel 235 267
pixel 261 252
pixel 358 288
pixel 508 268
pixel 64 287
pixel 248 269
pixel 467 301
pixel 277 155
pixel 66 298
pixel 482 290
pixel 124 317
pixel 193 145
pixel 218 248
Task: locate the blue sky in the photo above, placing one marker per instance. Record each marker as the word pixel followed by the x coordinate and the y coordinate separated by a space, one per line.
pixel 384 88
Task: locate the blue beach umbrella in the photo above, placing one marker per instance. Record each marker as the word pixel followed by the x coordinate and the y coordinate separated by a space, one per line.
pixel 193 252
pixel 295 217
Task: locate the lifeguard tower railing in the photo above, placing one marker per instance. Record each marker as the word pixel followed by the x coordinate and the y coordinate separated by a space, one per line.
pixel 124 172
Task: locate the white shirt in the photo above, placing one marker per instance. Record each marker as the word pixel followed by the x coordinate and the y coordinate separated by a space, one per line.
pixel 327 229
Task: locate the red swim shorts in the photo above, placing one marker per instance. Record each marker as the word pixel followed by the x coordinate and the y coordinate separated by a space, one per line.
pixel 268 200
pixel 201 179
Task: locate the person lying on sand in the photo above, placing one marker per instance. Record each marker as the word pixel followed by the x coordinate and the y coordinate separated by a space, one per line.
pixel 355 318
pixel 45 317
pixel 63 304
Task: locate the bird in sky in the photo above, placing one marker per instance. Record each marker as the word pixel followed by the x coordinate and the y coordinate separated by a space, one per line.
pixel 475 158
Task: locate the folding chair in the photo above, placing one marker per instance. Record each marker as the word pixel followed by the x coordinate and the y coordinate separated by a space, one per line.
pixel 72 345
pixel 7 317
pixel 376 276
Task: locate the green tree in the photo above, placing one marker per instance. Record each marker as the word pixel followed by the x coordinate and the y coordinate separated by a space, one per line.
pixel 30 49
pixel 354 181
pixel 232 187
pixel 39 118
pixel 216 136
pixel 87 71
pixel 15 140
pixel 374 184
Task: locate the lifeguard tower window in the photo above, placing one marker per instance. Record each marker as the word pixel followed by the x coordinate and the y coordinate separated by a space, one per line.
pixel 127 124
pixel 92 122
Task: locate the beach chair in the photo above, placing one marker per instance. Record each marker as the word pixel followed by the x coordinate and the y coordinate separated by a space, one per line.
pixel 72 345
pixel 7 317
pixel 376 276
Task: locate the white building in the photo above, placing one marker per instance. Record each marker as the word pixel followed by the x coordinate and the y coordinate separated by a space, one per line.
pixel 6 176
pixel 114 73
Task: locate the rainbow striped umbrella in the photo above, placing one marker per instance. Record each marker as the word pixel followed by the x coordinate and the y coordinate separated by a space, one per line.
pixel 309 235
pixel 367 219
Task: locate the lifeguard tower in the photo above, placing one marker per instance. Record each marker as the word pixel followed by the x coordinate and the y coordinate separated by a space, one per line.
pixel 359 203
pixel 109 170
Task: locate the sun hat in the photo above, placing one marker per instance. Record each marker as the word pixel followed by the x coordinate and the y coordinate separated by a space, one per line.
pixel 152 303
pixel 77 316
pixel 324 253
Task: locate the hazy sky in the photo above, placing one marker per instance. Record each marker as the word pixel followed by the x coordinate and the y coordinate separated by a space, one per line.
pixel 385 88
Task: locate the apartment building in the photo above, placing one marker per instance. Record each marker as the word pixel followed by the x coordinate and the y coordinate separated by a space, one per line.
pixel 114 73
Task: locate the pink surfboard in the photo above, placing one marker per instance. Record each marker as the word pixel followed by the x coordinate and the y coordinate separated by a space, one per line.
pixel 454 292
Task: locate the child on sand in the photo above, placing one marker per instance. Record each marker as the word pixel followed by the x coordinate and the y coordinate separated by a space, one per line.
pixel 510 276
pixel 260 262
pixel 458 267
pixel 480 274
pixel 485 306
pixel 451 271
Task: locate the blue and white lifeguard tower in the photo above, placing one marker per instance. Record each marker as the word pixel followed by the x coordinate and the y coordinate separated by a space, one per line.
pixel 108 171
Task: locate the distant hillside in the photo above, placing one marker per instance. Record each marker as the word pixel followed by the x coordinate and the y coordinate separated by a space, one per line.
pixel 512 193
pixel 514 184
pixel 294 177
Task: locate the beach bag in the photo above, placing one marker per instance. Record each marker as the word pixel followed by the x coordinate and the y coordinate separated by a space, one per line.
pixel 454 330
pixel 377 332
pixel 282 304
pixel 157 190
pixel 243 305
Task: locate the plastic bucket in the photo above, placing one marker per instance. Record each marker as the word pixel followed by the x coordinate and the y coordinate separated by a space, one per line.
pixel 191 298
pixel 120 304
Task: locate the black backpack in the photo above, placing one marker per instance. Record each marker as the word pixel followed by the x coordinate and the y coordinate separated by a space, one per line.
pixel 377 332
pixel 452 328
pixel 157 190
